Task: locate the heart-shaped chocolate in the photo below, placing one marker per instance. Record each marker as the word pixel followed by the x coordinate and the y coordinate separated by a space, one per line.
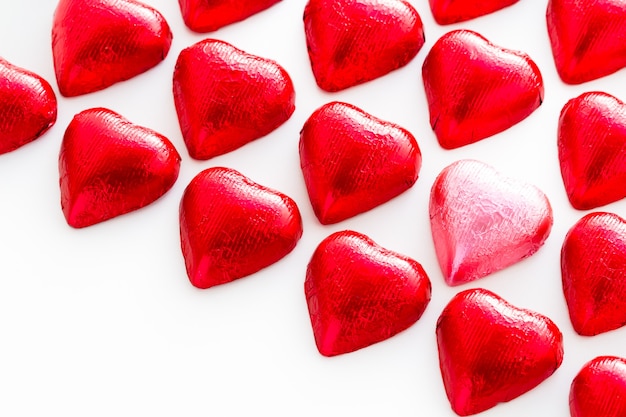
pixel 28 106
pixel 593 268
pixel 588 38
pixel 97 43
pixel 592 144
pixel 491 351
pixel 226 98
pixel 231 227
pixel 354 41
pixel 446 12
pixel 353 162
pixel 599 389
pixel 109 166
pixel 208 16
pixel 359 293
pixel 476 89
pixel 483 221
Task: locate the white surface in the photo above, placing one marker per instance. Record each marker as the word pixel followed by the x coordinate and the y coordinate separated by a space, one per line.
pixel 103 321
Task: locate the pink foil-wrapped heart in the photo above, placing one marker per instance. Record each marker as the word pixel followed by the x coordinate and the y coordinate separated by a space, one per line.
pixel 492 352
pixel 208 16
pixel 476 89
pixel 231 227
pixel 446 12
pixel 28 106
pixel 97 43
pixel 359 293
pixel 593 268
pixel 591 143
pixel 483 221
pixel 109 166
pixel 599 389
pixel 353 162
pixel 226 97
pixel 588 38
pixel 354 41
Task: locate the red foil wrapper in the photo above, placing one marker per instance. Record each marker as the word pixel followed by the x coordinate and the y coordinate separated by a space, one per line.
pixel 591 142
pixel 354 41
pixel 231 227
pixel 109 166
pixel 226 98
pixel 483 221
pixel 353 162
pixel 593 268
pixel 359 293
pixel 599 389
pixel 97 43
pixel 446 12
pixel 491 351
pixel 28 106
pixel 476 89
pixel 208 16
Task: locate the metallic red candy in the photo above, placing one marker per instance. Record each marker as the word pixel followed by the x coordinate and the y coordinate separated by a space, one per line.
pixel 97 43
pixel 354 41
pixel 359 293
pixel 109 166
pixel 483 221
pixel 593 268
pixel 592 143
pixel 588 38
pixel 599 389
pixel 209 15
pixel 231 227
pixel 353 162
pixel 491 351
pixel 476 89
pixel 28 106
pixel 226 98
pixel 446 12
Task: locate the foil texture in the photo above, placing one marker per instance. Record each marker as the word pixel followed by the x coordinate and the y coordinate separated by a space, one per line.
pixel 447 12
pixel 208 16
pixel 599 389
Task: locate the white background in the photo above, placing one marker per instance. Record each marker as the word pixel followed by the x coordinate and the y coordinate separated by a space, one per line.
pixel 104 322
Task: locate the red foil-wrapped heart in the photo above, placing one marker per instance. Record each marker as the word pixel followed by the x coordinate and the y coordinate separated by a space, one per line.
pixel 476 89
pixel 593 269
pixel 483 221
pixel 208 16
pixel 599 389
pixel 446 12
pixel 588 38
pixel 359 293
pixel 97 43
pixel 491 351
pixel 226 98
pixel 354 41
pixel 231 227
pixel 109 166
pixel 28 106
pixel 591 143
pixel 353 162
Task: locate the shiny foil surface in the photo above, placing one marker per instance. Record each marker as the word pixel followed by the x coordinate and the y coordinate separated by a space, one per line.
pixel 476 89
pixel 353 161
pixel 492 352
pixel 592 149
pixel 210 15
pixel 599 389
pixel 226 98
pixel 28 106
pixel 588 38
pixel 109 166
pixel 97 43
pixel 354 41
pixel 446 12
pixel 483 221
pixel 231 227
pixel 359 293
pixel 593 270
